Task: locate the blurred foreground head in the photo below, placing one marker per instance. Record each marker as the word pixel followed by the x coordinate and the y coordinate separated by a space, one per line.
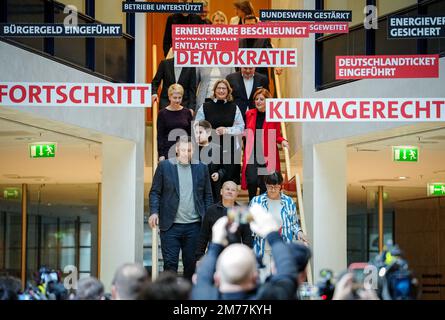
pixel 236 269
pixel 128 282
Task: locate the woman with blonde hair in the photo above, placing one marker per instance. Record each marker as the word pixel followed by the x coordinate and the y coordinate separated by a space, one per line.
pixel 219 17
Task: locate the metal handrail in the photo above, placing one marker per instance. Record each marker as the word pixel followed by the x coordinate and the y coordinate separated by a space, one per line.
pixel 289 176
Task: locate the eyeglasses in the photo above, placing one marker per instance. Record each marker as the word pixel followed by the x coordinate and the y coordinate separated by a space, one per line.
pixel 273 187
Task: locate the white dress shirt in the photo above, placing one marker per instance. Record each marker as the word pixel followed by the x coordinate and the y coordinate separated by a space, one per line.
pixel 248 83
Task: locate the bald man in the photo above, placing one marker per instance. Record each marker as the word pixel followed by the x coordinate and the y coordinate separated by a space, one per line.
pixel 128 281
pixel 229 194
pixel 231 273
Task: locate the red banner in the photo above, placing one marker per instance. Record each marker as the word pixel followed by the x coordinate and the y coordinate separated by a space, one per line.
pixel 352 110
pixel 389 67
pixel 103 95
pixel 226 37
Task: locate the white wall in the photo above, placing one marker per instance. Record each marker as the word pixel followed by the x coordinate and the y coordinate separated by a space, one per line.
pixel 123 129
pixel 329 219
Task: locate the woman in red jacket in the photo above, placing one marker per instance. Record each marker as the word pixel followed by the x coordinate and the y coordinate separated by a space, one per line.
pixel 261 155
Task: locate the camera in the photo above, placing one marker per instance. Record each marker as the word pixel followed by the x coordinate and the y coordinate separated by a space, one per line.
pixel 326 285
pixel 239 215
pixel 395 280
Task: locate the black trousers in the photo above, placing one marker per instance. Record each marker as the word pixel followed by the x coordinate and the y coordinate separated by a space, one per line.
pixel 255 180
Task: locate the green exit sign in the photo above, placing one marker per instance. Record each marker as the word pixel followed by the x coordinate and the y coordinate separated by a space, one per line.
pixel 405 154
pixel 436 189
pixel 12 193
pixel 42 150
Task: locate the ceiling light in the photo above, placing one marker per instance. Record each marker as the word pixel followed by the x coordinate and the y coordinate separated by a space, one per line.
pixel 403 178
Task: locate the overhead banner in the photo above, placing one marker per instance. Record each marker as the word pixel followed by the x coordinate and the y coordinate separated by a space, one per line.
pixel 75 95
pixel 351 110
pixel 161 7
pixel 422 27
pixel 387 67
pixel 241 58
pixel 33 30
pixel 305 15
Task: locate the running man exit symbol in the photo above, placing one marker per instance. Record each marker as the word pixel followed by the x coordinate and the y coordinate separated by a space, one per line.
pixel 405 154
pixel 436 189
pixel 42 150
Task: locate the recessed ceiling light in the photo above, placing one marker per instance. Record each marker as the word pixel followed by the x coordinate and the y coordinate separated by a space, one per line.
pixel 402 178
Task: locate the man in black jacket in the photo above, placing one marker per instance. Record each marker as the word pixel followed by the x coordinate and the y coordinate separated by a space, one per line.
pixel 179 197
pixel 229 193
pixel 244 83
pixel 168 74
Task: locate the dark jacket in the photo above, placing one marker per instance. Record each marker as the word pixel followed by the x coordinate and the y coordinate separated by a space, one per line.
pixel 177 18
pixel 210 155
pixel 164 193
pixel 239 90
pixel 166 75
pixel 216 211
pixel 282 285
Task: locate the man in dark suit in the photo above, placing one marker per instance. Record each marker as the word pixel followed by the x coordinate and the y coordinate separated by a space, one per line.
pixel 168 74
pixel 179 197
pixel 244 83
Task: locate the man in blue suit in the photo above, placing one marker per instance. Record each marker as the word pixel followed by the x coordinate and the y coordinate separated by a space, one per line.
pixel 179 197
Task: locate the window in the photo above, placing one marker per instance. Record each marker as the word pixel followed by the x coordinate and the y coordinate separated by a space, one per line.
pixel 385 46
pixel 385 7
pixel 79 4
pixel 435 46
pixel 70 49
pixel 62 228
pixel 352 44
pixel 112 58
pixel 27 11
pixel 110 11
pixel 371 42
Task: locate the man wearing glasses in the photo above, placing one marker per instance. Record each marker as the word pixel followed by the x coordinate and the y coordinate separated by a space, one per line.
pixel 284 210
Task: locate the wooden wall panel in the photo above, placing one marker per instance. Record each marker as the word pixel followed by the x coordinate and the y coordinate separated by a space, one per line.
pixel 420 233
